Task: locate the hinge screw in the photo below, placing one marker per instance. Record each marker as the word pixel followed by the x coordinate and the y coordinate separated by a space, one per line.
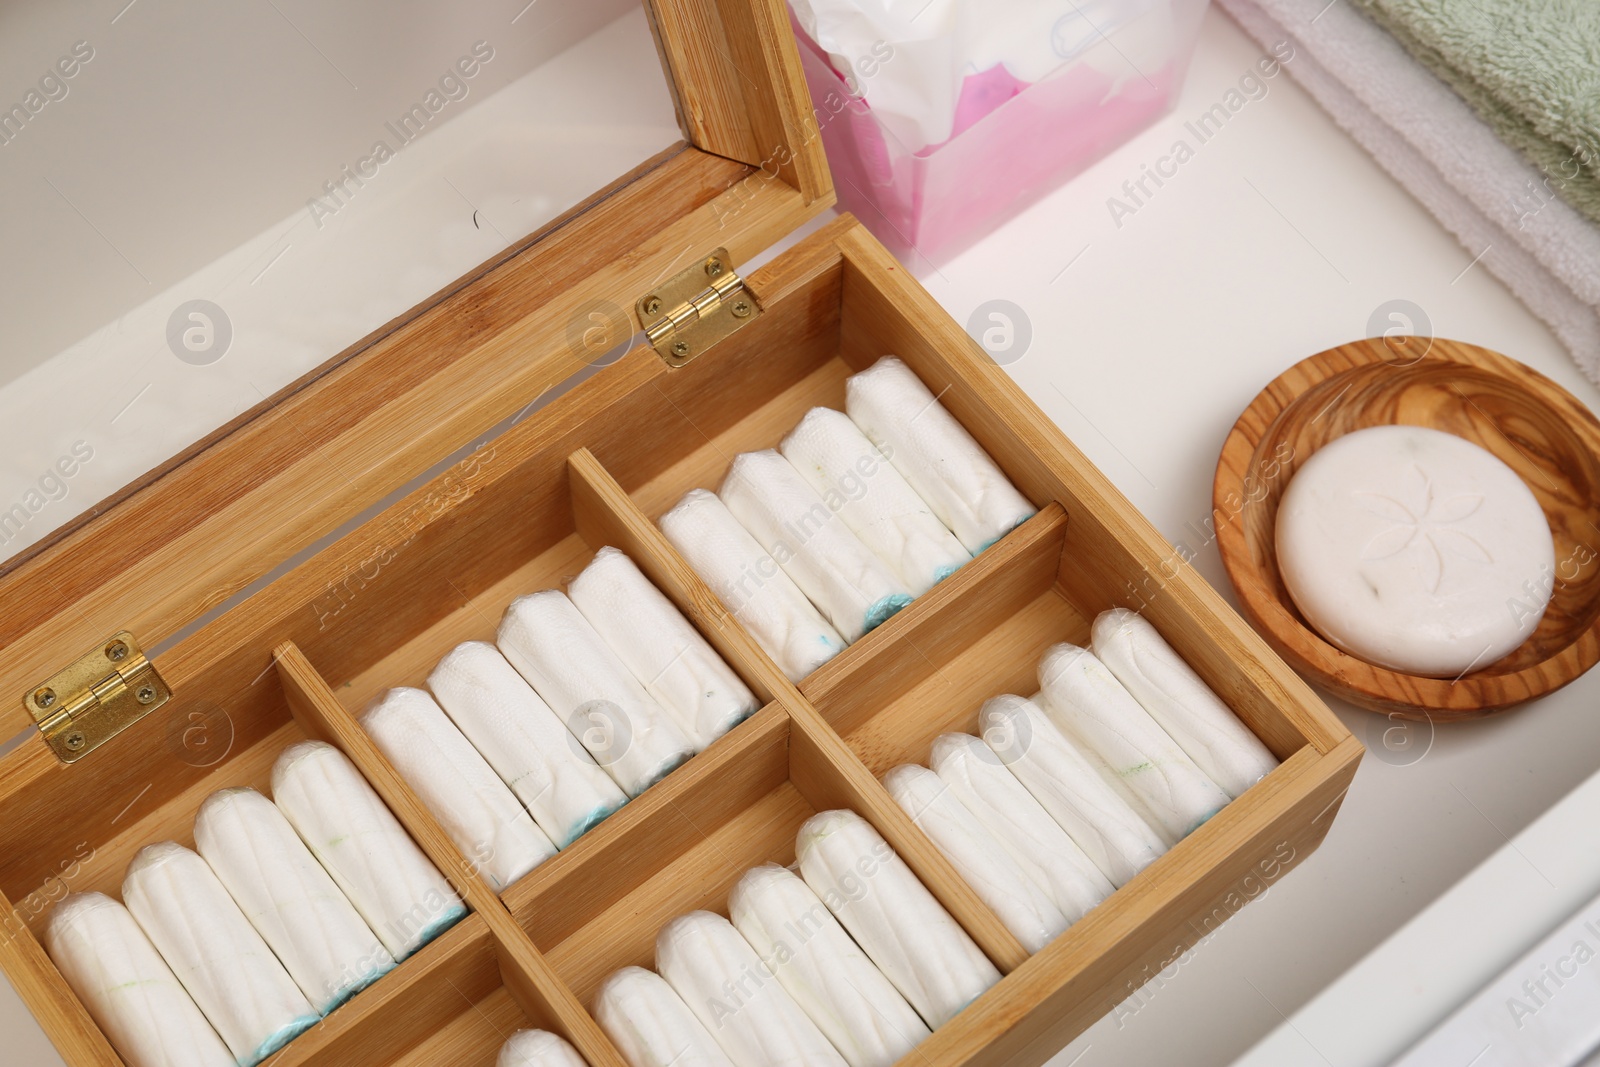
pixel 116 651
pixel 741 309
pixel 652 305
pixel 45 698
pixel 713 267
pixel 145 693
pixel 680 348
pixel 74 741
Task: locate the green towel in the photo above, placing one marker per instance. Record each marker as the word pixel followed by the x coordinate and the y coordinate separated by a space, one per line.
pixel 1529 68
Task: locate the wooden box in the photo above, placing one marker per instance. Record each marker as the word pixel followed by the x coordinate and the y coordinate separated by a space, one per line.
pixel 341 538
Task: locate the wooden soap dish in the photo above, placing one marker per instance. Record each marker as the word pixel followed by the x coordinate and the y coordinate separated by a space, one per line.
pixel 1536 427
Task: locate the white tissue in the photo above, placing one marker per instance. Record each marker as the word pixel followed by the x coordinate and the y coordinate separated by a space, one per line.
pixel 401 895
pixel 853 588
pixel 1071 788
pixel 751 584
pixel 1093 709
pixel 128 988
pixel 538 1048
pixel 483 817
pixel 947 468
pixel 718 975
pixel 665 653
pixel 294 905
pixel 553 646
pixel 892 916
pixel 651 1025
pixel 853 1004
pixel 859 482
pixel 528 746
pixel 1177 698
pixel 213 950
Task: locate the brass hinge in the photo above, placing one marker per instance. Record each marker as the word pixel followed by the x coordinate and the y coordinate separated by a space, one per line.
pixel 694 309
pixel 89 702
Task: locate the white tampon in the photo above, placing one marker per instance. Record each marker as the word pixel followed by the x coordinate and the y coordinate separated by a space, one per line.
pixel 718 975
pixel 553 646
pixel 1016 898
pixel 213 950
pixel 859 1010
pixel 874 499
pixel 1071 788
pixel 138 1003
pixel 1093 709
pixel 751 584
pixel 528 746
pixel 538 1048
pixel 359 842
pixel 651 1025
pixel 663 651
pixel 1177 698
pixel 915 943
pixel 317 934
pixel 964 487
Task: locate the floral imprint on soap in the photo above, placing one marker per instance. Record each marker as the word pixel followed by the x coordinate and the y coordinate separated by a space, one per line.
pixel 1424 527
pixel 1404 328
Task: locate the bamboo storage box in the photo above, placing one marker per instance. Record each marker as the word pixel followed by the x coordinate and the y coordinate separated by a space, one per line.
pixel 373 518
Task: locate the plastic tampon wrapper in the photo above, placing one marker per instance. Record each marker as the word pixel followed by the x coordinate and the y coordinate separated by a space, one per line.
pixel 751 584
pixel 401 895
pixel 892 916
pixel 538 1048
pixel 947 468
pixel 1177 699
pixel 855 479
pixel 735 996
pixel 138 1003
pixel 1020 902
pixel 665 653
pixel 528 746
pixel 1093 709
pixel 230 972
pixel 316 933
pixel 1071 788
pixel 553 646
pixel 651 1025
pixel 859 1010
pixel 854 588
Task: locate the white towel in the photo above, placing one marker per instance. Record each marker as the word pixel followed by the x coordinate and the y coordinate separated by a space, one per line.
pixel 401 895
pixel 131 993
pixel 482 816
pixel 734 994
pixel 651 1025
pixel 861 485
pixel 827 974
pixel 948 468
pixel 230 972
pixel 321 939
pixel 751 584
pixel 899 924
pixel 553 646
pixel 538 1048
pixel 528 746
pixel 1071 788
pixel 666 654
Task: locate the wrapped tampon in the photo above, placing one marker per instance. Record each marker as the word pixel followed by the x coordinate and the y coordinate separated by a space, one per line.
pixel 733 994
pixel 861 485
pixel 213 950
pixel 528 746
pixel 964 487
pixel 538 1048
pixel 316 933
pixel 138 1003
pixel 751 584
pixel 482 816
pixel 852 587
pixel 1071 788
pixel 665 653
pixel 1092 708
pixel 380 870
pixel 859 1010
pixel 651 1025
pixel 553 646
pixel 1177 698
pixel 1008 811
pixel 892 916
pixel 1017 898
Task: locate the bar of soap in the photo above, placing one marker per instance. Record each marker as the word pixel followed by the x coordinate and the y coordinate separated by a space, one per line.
pixel 1415 550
